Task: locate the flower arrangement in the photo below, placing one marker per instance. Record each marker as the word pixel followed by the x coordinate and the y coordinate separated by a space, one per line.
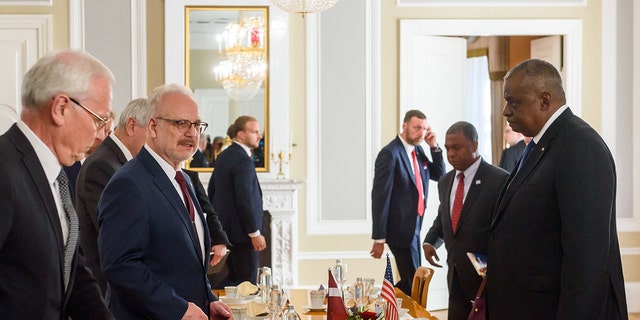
pixel 362 313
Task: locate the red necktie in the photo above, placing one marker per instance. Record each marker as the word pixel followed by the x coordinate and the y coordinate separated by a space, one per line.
pixel 416 173
pixel 189 204
pixel 457 203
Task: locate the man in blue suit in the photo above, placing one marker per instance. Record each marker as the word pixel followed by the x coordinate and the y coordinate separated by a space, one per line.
pixel 400 188
pixel 236 196
pixel 153 239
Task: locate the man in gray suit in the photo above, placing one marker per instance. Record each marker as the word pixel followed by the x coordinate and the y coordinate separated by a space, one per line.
pixel 119 147
pixel 467 199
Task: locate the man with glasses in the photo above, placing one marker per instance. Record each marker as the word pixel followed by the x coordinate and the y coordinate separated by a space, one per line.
pixel 236 196
pixel 42 274
pixel 153 239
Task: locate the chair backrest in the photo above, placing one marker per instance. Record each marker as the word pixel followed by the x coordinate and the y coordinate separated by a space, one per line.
pixel 420 285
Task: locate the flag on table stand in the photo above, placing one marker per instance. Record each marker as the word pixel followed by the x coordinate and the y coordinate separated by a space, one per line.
pixel 388 293
pixel 335 306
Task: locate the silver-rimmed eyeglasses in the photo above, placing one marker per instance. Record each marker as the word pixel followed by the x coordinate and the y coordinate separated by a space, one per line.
pixel 98 121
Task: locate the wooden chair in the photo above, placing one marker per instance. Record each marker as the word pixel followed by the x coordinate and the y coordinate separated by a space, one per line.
pixel 420 285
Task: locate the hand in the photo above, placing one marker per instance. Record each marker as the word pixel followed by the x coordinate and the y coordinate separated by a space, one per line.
pixel 377 249
pixel 430 138
pixel 259 243
pixel 430 253
pixel 219 251
pixel 219 310
pixel 194 312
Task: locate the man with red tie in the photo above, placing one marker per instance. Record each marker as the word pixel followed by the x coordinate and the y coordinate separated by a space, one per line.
pixel 467 197
pixel 400 188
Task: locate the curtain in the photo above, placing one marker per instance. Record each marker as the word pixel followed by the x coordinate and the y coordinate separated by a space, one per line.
pixel 478 104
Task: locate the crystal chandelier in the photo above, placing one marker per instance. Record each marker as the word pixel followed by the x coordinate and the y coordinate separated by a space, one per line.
pixel 243 66
pixel 304 6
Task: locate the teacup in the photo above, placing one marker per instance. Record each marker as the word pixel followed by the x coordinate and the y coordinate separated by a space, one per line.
pixel 317 299
pixel 399 302
pixel 231 292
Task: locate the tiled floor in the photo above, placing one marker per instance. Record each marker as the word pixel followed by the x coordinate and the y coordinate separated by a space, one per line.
pixel 442 315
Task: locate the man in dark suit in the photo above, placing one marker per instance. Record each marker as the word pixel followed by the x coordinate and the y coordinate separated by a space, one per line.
pixel 129 136
pixel 467 196
pixel 511 155
pixel 153 239
pixel 553 246
pixel 219 239
pixel 236 195
pixel 66 97
pixel 199 160
pixel 400 189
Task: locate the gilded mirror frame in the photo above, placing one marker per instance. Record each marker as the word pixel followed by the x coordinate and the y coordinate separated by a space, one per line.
pixel 209 96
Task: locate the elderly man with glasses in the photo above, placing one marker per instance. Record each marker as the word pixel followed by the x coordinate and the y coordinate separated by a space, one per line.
pixel 153 240
pixel 42 274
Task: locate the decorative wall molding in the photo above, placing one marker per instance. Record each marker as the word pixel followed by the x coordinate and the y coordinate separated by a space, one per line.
pixel 24 38
pixel 316 224
pixel 138 48
pixel 633 296
pixel 76 24
pixel 491 3
pixel 46 3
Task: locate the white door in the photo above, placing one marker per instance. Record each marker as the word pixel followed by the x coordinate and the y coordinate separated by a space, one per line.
pixel 432 80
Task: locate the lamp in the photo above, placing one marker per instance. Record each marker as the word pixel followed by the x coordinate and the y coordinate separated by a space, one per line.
pixel 242 50
pixel 304 6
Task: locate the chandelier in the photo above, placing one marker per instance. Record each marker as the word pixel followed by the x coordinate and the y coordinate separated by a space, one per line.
pixel 304 6
pixel 243 65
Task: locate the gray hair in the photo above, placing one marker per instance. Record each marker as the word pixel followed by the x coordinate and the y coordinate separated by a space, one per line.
pixel 157 95
pixel 137 109
pixel 69 72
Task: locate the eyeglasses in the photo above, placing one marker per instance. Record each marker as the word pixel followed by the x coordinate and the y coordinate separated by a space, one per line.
pixel 184 125
pixel 98 121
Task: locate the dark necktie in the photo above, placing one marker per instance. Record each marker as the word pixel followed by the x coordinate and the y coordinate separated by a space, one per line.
pixel 189 204
pixel 526 153
pixel 418 176
pixel 457 203
pixel 72 225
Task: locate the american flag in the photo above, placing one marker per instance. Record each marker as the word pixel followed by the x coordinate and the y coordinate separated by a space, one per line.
pixel 388 293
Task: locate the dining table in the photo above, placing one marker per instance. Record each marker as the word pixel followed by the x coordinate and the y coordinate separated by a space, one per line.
pixel 299 298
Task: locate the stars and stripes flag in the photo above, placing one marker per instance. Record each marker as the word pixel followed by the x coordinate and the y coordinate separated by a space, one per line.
pixel 335 306
pixel 388 293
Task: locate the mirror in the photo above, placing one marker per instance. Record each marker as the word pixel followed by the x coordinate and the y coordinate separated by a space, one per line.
pixel 226 59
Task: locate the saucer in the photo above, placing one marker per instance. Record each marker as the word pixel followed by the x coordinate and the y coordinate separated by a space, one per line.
pixel 324 308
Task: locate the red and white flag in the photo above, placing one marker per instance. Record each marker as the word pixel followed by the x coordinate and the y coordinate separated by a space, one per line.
pixel 335 306
pixel 388 293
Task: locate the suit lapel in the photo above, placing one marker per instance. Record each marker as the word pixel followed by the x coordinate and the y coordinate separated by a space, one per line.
pixel 32 164
pixel 165 186
pixel 517 178
pixel 402 154
pixel 446 202
pixel 115 149
pixel 474 191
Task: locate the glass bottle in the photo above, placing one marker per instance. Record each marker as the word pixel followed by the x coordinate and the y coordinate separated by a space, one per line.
pixel 290 313
pixel 276 302
pixel 340 272
pixel 264 282
pixel 359 292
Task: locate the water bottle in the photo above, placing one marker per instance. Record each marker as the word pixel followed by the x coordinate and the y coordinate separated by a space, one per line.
pixel 359 292
pixel 275 302
pixel 264 282
pixel 290 313
pixel 339 272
